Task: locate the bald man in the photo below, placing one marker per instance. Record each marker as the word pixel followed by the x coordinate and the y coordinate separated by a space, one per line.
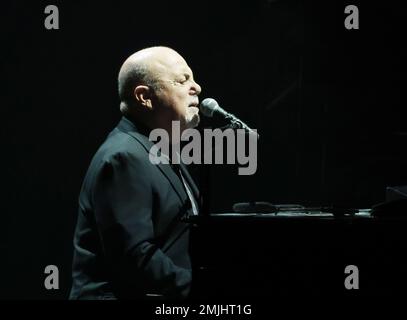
pixel 131 241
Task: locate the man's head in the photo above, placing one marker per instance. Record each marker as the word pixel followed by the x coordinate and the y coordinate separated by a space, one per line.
pixel 157 86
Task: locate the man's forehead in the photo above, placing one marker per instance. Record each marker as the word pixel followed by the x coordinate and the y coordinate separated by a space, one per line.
pixel 173 66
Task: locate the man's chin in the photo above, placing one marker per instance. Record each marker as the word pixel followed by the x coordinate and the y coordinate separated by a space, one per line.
pixel 193 121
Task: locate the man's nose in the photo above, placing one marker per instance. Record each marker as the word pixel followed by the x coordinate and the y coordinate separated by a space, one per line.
pixel 196 88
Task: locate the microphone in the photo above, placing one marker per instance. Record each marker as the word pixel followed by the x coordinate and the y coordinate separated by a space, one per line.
pixel 210 108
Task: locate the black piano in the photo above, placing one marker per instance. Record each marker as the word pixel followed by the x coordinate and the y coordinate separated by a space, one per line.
pixel 258 255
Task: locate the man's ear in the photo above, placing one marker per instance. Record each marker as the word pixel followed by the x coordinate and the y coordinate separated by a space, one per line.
pixel 143 95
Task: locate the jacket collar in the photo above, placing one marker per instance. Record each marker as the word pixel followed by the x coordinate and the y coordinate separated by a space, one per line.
pixel 141 133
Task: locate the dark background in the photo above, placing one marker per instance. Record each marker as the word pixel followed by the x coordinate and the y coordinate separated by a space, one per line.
pixel 326 101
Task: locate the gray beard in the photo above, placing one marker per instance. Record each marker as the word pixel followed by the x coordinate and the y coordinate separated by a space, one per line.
pixel 192 120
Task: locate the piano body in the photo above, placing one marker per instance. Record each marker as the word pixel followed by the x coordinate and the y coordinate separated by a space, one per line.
pixel 260 255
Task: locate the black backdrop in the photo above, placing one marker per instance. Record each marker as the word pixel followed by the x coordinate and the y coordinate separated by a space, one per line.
pixel 327 102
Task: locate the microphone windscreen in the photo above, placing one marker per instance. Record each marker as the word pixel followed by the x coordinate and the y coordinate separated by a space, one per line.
pixel 208 107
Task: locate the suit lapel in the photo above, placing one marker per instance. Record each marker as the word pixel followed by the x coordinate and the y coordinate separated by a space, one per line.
pixel 190 181
pixel 128 127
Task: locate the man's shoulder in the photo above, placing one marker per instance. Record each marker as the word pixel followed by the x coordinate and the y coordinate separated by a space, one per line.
pixel 121 145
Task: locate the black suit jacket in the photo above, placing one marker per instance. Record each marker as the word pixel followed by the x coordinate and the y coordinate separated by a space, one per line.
pixel 130 240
